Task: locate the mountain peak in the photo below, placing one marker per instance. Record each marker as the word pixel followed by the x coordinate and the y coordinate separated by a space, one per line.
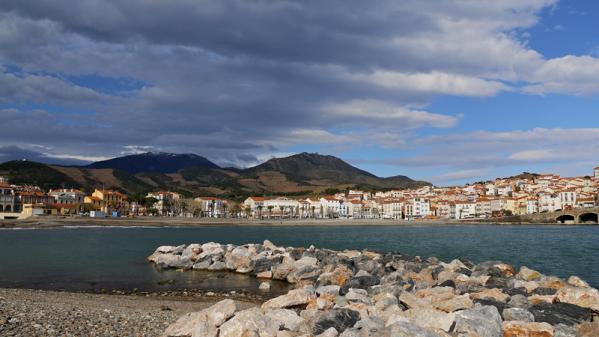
pixel 162 162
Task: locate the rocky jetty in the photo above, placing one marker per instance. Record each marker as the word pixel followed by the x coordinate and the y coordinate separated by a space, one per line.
pixel 363 293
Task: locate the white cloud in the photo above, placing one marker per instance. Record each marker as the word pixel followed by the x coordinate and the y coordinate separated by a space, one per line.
pixel 436 83
pixel 569 74
pixel 378 112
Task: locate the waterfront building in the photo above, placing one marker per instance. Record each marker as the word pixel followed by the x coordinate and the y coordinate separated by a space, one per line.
pixel 212 207
pixel 7 198
pixel 67 196
pixel 166 202
pixel 107 201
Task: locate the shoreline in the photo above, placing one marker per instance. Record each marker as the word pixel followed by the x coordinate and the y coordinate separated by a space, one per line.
pixel 180 222
pixel 31 312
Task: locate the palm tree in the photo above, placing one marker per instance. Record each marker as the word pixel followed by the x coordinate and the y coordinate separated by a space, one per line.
pixel 281 211
pixel 270 210
pixel 260 211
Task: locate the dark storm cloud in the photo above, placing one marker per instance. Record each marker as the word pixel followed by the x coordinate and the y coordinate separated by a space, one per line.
pixel 236 80
pixel 304 31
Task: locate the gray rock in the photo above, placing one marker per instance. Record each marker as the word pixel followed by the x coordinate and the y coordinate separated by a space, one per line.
pixel 480 321
pixel 250 322
pixel 562 330
pixel 202 265
pixel 560 313
pixel 286 318
pixel 340 319
pixel 358 295
pixel 305 272
pixel 519 301
pixel 409 330
pixel 330 332
pixel 292 298
pixel 370 327
pixel 217 266
pixel 202 323
pixel 517 314
pixel 351 332
pixel 328 290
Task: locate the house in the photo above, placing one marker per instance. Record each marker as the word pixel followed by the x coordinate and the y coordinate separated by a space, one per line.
pixel 31 196
pixel 392 208
pixel 254 206
pixel 331 207
pixel 532 205
pixel 567 198
pixel 7 198
pixel 107 201
pixel 417 208
pixel 354 209
pixel 464 210
pixel 166 202
pixel 212 207
pixel 444 209
pixel 549 202
pixel 70 199
pixel 585 202
pixel 483 208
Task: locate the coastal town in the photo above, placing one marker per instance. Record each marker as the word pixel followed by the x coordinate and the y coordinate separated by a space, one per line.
pixel 519 195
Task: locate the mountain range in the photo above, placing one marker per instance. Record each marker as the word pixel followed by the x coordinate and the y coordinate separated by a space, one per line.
pixel 190 174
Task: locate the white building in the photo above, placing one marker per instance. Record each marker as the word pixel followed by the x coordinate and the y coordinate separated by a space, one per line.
pixel 331 207
pixel 567 198
pixel 549 203
pixel 417 208
pixel 464 210
pixel 212 207
pixel 67 196
pixel 393 208
pixel 166 202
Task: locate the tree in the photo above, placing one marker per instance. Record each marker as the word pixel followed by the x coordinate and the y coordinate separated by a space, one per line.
pixel 260 211
pixel 248 211
pixel 281 208
pixel 270 210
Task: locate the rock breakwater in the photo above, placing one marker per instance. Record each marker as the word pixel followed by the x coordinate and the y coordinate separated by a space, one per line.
pixel 364 293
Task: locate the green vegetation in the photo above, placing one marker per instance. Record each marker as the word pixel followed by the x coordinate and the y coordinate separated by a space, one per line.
pixel 23 172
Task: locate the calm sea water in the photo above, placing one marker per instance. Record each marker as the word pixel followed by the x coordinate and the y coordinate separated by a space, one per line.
pixel 115 258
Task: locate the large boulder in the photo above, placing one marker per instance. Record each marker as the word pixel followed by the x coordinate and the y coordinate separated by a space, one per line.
pixel 288 319
pixel 205 321
pixel 340 319
pixel 409 330
pixel 560 313
pixel 480 321
pixel 250 322
pixel 527 329
pixel 293 298
pixel 517 314
pixel 528 274
pixel 431 318
pixel 583 297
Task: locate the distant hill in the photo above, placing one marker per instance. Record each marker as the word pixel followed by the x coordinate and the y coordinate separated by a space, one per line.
pixel 24 172
pixel 154 162
pixel 192 175
pixel 317 169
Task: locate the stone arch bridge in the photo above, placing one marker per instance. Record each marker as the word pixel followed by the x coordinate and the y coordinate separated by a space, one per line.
pixel 574 216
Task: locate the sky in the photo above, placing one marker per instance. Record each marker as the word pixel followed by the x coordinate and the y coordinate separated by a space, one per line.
pixel 448 91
